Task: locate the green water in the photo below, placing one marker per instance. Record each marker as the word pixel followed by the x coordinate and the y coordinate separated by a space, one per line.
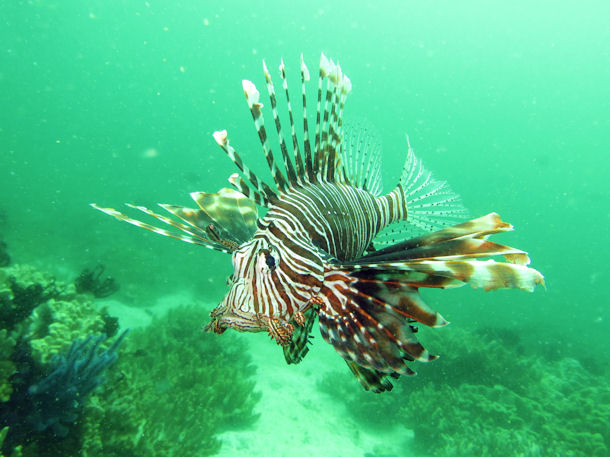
pixel 113 102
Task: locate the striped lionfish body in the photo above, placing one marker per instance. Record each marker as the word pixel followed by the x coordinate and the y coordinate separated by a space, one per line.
pixel 329 245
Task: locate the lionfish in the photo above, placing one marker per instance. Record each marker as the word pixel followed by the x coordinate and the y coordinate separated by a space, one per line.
pixel 329 244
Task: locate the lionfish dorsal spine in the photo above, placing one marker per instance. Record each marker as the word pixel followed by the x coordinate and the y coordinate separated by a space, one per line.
pixel 333 137
pixel 298 158
pixel 318 148
pixel 260 187
pixel 278 126
pixel 306 141
pixel 256 196
pixel 252 97
pixel 318 165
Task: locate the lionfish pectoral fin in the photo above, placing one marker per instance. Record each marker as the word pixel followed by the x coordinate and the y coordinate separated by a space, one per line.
pixel 368 317
pixel 231 212
pixel 450 258
pixel 371 380
pixel 297 349
pixel 190 234
pixel 370 305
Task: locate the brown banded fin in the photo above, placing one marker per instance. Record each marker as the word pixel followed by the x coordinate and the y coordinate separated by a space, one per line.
pixel 252 97
pixel 189 235
pixel 262 189
pixel 231 211
pixel 298 346
pixel 290 173
pixel 462 241
pixel 372 380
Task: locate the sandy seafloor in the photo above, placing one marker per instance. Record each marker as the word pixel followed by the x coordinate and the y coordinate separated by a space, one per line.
pixel 309 421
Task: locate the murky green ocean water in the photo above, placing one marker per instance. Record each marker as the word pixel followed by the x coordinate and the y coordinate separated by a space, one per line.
pixel 113 102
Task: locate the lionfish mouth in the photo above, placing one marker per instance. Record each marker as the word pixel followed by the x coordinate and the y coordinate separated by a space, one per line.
pixel 223 318
pixel 215 326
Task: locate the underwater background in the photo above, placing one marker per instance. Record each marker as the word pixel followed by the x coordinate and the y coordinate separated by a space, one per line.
pixel 113 102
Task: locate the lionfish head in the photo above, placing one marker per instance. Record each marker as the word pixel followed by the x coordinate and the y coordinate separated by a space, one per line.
pixel 269 285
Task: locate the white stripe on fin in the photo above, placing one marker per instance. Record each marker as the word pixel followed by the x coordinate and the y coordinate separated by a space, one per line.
pixel 190 238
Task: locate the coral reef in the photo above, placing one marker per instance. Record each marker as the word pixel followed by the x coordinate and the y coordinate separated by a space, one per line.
pixel 489 396
pixel 15 452
pixel 58 399
pixel 91 281
pixel 7 366
pixel 23 288
pixel 55 324
pixel 41 390
pixel 173 390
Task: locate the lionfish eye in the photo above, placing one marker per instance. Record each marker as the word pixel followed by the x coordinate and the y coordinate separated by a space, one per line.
pixel 270 261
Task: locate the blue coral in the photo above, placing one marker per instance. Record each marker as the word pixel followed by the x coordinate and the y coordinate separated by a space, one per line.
pixel 58 398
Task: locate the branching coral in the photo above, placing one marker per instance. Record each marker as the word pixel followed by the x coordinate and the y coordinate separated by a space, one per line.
pixel 54 325
pixel 41 319
pixel 58 399
pixel 175 388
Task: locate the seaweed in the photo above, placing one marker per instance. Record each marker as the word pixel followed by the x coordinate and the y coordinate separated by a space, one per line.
pixel 91 281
